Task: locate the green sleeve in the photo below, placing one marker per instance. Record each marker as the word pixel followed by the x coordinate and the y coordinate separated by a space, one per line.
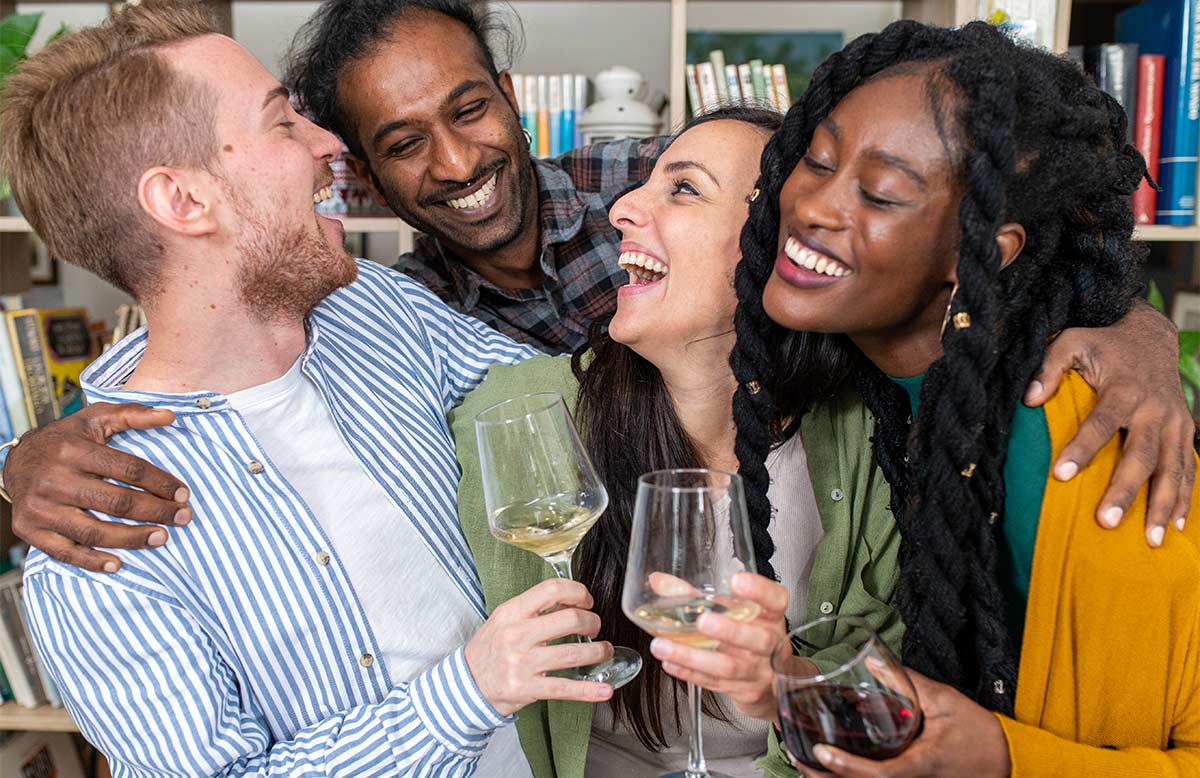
pixel 856 567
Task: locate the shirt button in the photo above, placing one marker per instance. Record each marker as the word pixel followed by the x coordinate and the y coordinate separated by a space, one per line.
pixel 837 495
pixel 322 558
pixel 254 466
pixel 204 403
pixel 826 608
pixel 366 660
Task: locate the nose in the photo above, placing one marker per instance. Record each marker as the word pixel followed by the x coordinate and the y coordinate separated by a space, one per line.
pixel 453 158
pixel 628 213
pixel 324 144
pixel 819 204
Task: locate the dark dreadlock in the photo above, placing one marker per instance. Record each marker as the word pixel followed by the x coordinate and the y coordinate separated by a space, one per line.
pixel 1036 143
pixel 629 422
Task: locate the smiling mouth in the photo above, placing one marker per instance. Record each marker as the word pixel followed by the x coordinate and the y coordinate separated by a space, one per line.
pixel 803 256
pixel 481 198
pixel 322 194
pixel 643 269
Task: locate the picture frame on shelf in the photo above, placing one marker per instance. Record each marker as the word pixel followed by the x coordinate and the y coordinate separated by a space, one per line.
pixel 43 268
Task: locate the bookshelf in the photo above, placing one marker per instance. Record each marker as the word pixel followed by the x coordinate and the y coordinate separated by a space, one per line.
pixel 44 719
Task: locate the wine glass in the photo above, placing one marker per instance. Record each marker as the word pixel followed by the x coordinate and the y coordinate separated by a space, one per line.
pixel 866 706
pixel 542 495
pixel 690 536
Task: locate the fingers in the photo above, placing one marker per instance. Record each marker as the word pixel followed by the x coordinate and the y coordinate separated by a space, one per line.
pixel 845 765
pixel 562 623
pixel 127 503
pixel 771 597
pixel 1062 355
pixel 718 665
pixel 546 595
pixel 754 637
pixel 107 462
pixel 71 553
pixel 1139 457
pixel 103 420
pixel 566 655
pixel 1101 426
pixel 1183 501
pixel 554 688
pixel 667 585
pixel 1165 488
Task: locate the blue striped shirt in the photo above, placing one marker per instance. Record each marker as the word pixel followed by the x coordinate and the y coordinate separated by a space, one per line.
pixel 240 649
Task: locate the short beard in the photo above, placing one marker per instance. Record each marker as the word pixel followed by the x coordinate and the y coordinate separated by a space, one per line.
pixel 286 270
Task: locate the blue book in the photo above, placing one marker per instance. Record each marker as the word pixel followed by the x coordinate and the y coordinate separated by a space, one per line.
pixel 1170 28
pixel 567 134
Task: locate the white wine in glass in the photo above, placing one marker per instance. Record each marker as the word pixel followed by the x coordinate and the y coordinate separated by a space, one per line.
pixel 690 537
pixel 543 495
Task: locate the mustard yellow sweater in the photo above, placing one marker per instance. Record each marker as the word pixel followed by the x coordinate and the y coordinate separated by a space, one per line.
pixel 1109 681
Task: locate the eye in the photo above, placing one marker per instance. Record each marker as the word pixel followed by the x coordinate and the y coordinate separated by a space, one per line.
pixel 681 186
pixel 472 111
pixel 403 148
pixel 287 125
pixel 812 164
pixel 876 200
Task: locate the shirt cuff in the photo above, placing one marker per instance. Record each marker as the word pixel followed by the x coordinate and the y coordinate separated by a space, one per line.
pixel 453 709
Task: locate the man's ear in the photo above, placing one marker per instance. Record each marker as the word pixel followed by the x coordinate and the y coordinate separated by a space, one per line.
pixel 363 171
pixel 1010 238
pixel 506 86
pixel 181 201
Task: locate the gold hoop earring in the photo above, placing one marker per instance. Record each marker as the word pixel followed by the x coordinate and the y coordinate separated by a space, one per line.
pixel 962 319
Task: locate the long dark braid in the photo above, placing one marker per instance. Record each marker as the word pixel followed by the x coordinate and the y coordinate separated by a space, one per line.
pixel 1037 144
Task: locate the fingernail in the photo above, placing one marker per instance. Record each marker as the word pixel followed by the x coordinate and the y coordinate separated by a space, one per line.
pixel 157 538
pixel 182 494
pixel 1112 516
pixel 1156 536
pixel 823 754
pixel 1034 391
pixel 660 648
pixel 1066 471
pixel 183 516
pixel 110 567
pixel 1180 522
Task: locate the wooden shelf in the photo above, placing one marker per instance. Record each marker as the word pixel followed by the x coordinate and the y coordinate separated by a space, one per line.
pixel 1167 233
pixel 43 719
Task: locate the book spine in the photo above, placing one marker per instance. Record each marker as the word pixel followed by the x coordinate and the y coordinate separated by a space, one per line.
pixel 14 668
pixel 580 106
pixel 693 90
pixel 732 86
pixel 518 84
pixel 529 113
pixel 760 84
pixel 26 333
pixel 543 116
pixel 14 626
pixel 6 692
pixel 556 110
pixel 769 85
pixel 567 134
pixel 1147 124
pixel 709 97
pixel 779 76
pixel 747 84
pixel 1114 67
pixel 717 58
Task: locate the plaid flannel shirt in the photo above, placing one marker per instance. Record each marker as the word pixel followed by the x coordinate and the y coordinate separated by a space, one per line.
pixel 579 251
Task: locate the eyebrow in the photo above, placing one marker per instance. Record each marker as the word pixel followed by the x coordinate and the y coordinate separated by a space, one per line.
pixel 881 156
pixel 687 164
pixel 455 93
pixel 275 94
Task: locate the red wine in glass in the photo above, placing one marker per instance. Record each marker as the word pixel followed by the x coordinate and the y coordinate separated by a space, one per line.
pixel 865 722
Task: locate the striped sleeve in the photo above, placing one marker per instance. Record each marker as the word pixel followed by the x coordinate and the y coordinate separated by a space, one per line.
pixel 149 688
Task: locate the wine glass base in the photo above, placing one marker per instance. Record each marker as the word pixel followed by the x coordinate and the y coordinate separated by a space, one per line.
pixel 686 774
pixel 616 672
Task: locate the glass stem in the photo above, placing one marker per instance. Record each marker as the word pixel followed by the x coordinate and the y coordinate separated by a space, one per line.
pixel 696 767
pixel 561 563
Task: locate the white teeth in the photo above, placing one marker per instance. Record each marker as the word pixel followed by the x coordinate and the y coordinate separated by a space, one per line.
pixel 323 194
pixel 642 266
pixel 805 257
pixel 477 198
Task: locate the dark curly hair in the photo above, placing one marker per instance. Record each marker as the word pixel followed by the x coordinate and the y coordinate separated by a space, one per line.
pixel 342 31
pixel 1034 142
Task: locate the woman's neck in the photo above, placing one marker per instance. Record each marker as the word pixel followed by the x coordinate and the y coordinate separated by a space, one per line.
pixel 908 349
pixel 701 386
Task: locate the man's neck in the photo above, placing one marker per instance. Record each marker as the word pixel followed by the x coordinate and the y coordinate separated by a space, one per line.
pixel 197 345
pixel 516 265
pixel 701 386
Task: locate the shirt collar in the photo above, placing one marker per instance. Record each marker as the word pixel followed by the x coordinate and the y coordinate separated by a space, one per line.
pixel 104 379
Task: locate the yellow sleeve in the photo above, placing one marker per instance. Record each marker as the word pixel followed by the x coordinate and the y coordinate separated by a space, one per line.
pixel 1036 753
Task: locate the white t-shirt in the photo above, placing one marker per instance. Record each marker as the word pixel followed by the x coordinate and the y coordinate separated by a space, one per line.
pixel 730 747
pixel 391 569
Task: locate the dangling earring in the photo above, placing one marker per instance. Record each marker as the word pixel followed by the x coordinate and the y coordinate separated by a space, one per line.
pixel 528 137
pixel 946 318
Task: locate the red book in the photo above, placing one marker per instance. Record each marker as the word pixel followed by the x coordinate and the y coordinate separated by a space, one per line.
pixel 1147 130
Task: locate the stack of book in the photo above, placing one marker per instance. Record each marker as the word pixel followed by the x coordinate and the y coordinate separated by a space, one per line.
pixel 714 83
pixel 550 107
pixel 42 353
pixel 22 677
pixel 1153 71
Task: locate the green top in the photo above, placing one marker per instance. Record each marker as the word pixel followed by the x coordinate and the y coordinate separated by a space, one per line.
pixel 1025 470
pixel 854 571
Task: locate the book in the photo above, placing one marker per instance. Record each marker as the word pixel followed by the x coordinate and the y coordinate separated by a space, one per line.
pixel 555 104
pixel 1114 68
pixel 529 116
pixel 581 90
pixel 25 333
pixel 709 97
pixel 567 133
pixel 760 84
pixel 717 58
pixel 779 76
pixel 1147 130
pixel 731 84
pixel 1170 28
pixel 543 116
pixel 68 351
pixel 693 90
pixel 16 648
pixel 12 388
pixel 769 83
pixel 747 84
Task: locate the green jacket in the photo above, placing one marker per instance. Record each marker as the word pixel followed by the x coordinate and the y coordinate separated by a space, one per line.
pixel 855 569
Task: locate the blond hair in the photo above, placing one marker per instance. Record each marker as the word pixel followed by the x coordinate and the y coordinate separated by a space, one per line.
pixel 82 120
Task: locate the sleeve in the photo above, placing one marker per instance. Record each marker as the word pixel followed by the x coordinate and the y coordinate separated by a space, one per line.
pixel 1036 753
pixel 463 347
pixel 149 688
